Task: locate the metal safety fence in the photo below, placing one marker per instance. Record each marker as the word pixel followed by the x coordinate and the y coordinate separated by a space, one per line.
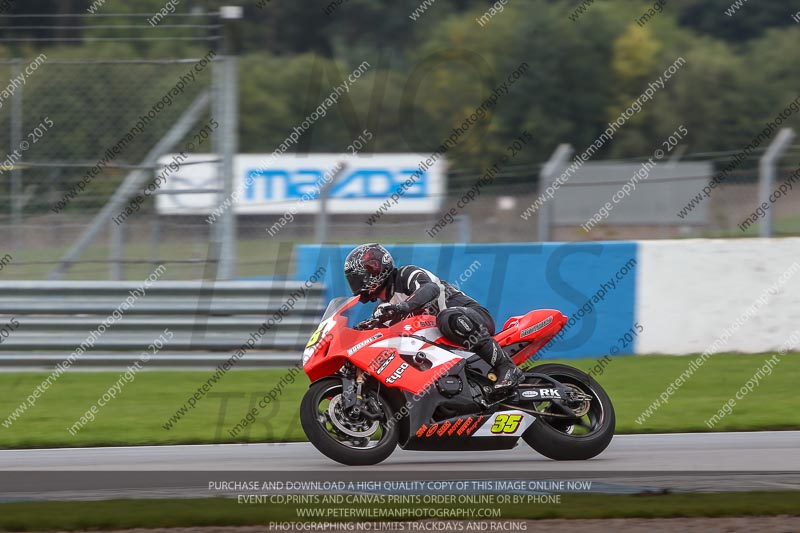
pixel 84 324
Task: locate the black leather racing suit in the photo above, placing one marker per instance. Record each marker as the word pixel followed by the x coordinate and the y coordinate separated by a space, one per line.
pixel 460 318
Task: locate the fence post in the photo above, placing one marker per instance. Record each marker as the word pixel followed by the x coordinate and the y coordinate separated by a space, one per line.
pixel 551 169
pixel 227 109
pixel 321 226
pixel 16 139
pixel 766 175
pixel 155 240
pixel 464 229
pixel 116 251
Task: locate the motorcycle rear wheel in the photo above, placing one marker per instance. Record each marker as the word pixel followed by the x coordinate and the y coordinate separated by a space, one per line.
pixel 555 437
pixel 350 441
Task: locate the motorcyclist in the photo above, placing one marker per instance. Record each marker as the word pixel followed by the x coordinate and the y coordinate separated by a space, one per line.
pixel 372 275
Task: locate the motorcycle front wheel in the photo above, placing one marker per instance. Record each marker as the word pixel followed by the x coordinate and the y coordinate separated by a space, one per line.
pixel 350 440
pixel 565 439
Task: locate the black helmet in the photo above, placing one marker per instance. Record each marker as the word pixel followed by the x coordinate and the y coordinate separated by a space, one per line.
pixel 367 269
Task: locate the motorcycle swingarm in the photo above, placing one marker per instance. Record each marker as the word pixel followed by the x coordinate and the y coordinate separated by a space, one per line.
pixel 551 391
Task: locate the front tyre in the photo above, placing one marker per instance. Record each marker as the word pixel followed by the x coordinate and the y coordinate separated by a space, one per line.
pixel 347 439
pixel 573 439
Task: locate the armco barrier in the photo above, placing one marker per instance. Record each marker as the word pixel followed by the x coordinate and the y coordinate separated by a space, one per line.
pixel 511 279
pixel 684 294
pixel 209 322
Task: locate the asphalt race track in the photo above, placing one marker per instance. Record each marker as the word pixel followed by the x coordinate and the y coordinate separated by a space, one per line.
pixel 633 463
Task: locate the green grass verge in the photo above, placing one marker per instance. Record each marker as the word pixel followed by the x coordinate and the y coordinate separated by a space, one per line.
pixel 139 412
pixel 125 514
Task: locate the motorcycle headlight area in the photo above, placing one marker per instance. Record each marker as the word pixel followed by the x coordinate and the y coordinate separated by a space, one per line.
pixel 307 353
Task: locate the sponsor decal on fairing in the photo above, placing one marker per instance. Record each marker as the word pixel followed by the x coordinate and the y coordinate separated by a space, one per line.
pixel 536 327
pixel 361 344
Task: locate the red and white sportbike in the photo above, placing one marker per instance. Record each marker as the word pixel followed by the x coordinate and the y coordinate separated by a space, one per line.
pixel 376 387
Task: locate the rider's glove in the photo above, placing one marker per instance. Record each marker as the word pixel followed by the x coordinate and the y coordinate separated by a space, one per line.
pixel 385 312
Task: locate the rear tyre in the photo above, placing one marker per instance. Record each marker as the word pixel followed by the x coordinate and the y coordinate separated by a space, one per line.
pixel 567 439
pixel 348 440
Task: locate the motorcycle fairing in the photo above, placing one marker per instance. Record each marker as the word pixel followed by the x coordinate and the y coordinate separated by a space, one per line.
pixel 430 394
pixel 391 355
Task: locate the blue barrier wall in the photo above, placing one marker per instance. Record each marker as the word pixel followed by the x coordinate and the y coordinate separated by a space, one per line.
pixel 592 283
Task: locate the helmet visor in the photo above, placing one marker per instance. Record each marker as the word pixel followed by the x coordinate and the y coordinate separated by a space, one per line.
pixel 355 281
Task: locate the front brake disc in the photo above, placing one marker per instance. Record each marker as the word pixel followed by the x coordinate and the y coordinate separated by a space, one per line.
pixel 339 420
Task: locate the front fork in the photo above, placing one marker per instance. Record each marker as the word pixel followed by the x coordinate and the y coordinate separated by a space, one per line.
pixel 353 401
pixel 351 390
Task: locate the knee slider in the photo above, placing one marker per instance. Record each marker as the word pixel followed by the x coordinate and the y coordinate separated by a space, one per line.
pixel 462 325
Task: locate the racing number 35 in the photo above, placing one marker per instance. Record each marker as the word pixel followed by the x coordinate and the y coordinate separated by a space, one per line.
pixel 506 423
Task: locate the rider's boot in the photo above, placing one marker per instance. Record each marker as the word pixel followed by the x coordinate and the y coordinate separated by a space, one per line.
pixel 508 374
